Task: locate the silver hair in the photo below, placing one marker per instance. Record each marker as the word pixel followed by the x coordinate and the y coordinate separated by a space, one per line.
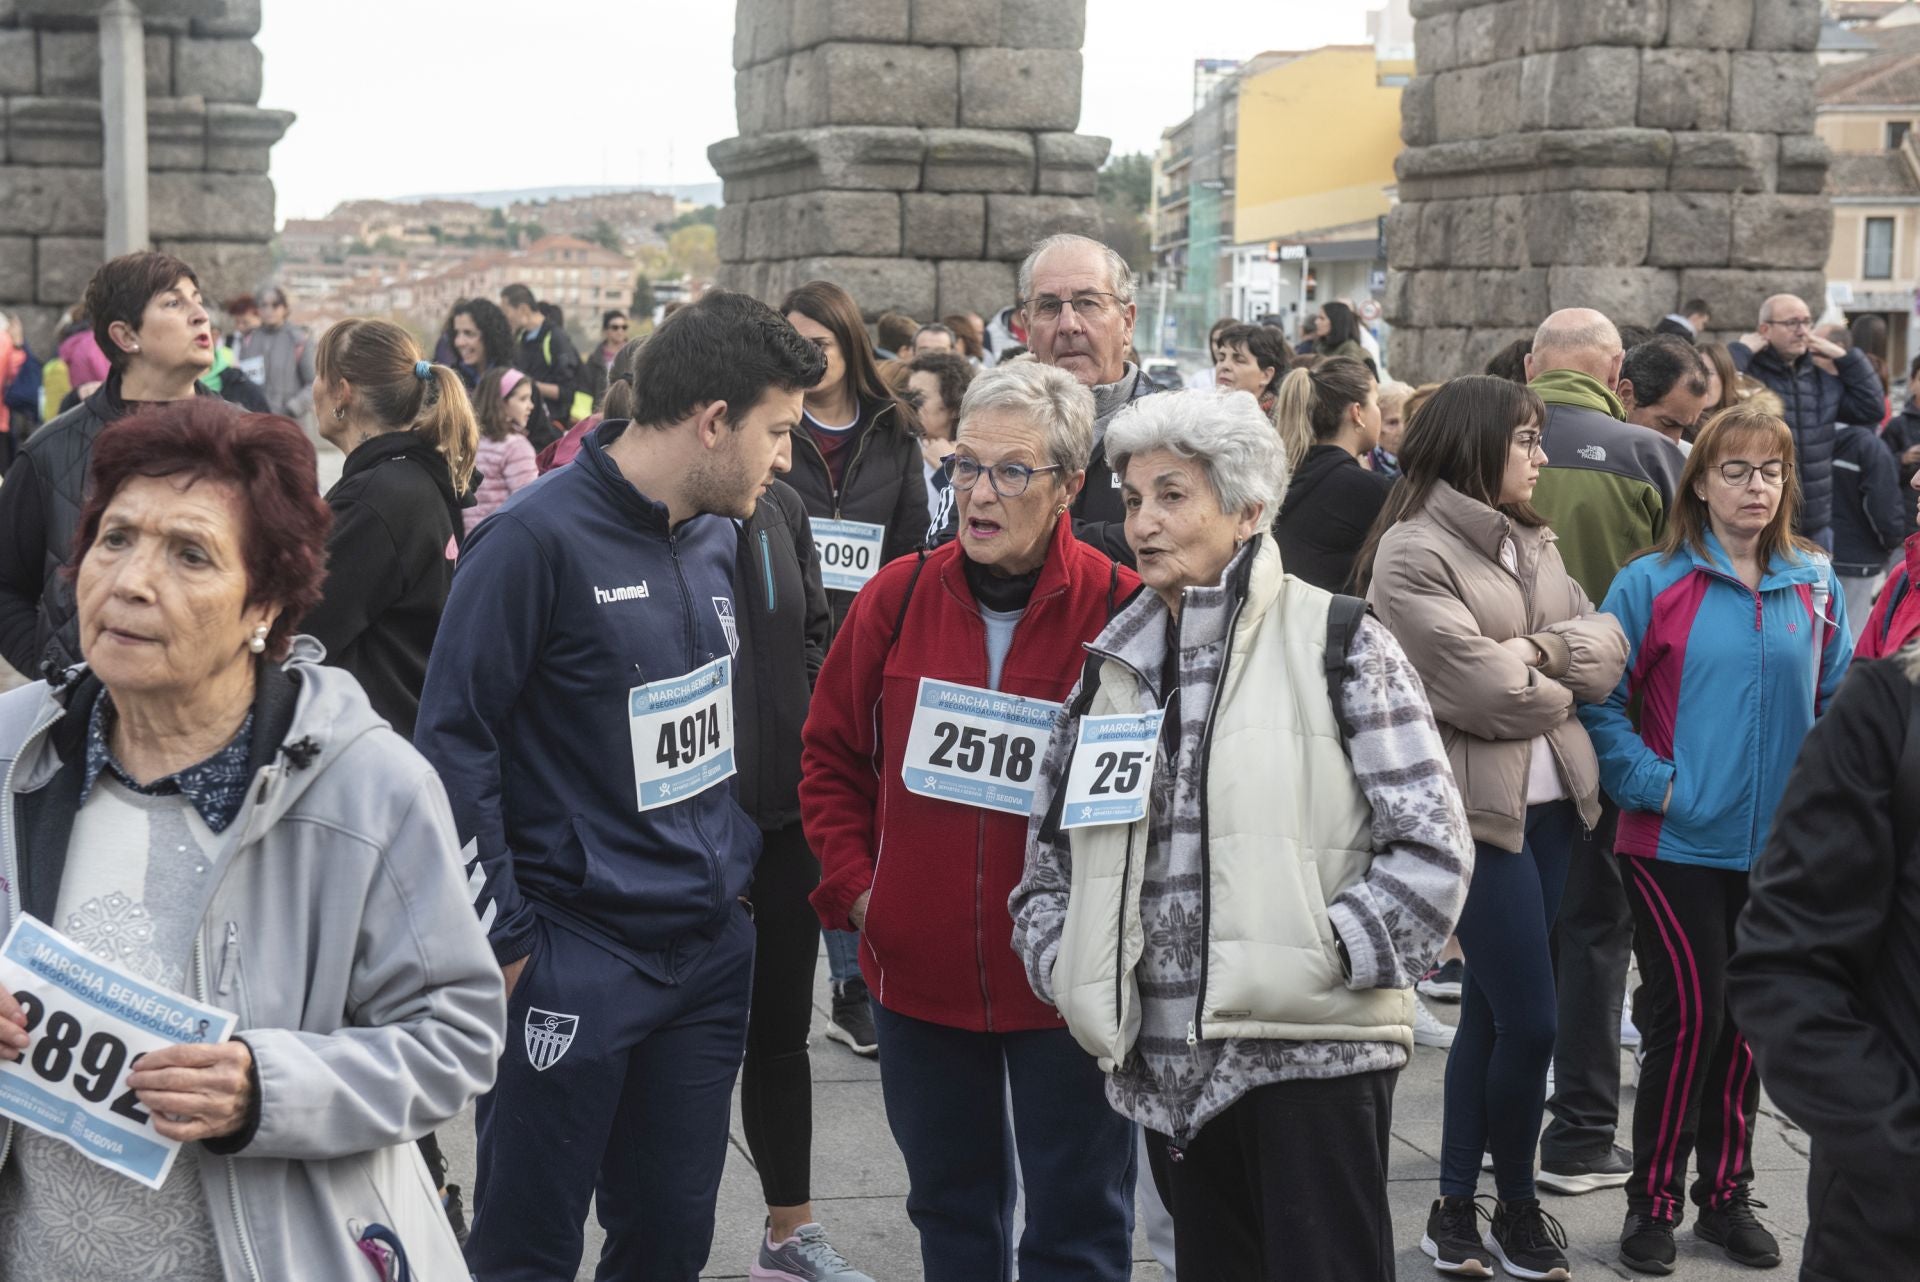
pixel 1051 399
pixel 1224 430
pixel 1118 272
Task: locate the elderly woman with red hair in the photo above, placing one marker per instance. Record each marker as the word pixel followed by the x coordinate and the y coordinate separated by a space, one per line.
pixel 205 807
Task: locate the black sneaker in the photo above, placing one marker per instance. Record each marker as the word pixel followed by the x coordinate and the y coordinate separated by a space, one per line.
pixel 1734 1229
pixel 456 1213
pixel 1453 1238
pixel 1646 1244
pixel 1529 1242
pixel 1578 1176
pixel 852 1020
pixel 1442 983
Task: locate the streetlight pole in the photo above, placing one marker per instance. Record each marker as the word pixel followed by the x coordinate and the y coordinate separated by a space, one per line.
pixel 123 118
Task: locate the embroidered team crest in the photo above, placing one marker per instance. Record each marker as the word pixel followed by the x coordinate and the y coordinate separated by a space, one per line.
pixel 723 606
pixel 548 1036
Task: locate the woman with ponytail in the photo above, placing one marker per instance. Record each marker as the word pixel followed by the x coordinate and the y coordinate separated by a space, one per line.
pixel 1328 417
pixel 408 432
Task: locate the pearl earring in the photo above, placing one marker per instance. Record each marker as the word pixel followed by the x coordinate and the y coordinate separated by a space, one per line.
pixel 258 641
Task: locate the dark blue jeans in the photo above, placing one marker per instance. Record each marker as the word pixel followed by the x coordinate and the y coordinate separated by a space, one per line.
pixel 946 1091
pixel 1496 1088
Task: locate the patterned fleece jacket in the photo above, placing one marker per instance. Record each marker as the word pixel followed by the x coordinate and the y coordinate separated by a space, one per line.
pixel 1405 906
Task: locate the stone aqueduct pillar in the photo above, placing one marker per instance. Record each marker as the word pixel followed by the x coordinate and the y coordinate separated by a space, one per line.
pixel 911 150
pixel 1618 154
pixel 208 197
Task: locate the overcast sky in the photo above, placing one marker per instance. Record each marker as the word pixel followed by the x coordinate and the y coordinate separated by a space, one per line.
pixel 402 97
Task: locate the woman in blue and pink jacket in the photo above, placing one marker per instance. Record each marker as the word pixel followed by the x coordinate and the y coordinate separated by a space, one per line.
pixel 1739 638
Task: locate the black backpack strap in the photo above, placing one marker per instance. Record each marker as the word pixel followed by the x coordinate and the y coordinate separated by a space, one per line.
pixel 1900 588
pixel 1089 686
pixel 1906 797
pixel 900 619
pixel 1344 614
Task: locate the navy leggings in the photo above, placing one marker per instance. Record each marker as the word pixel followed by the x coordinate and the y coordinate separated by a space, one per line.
pixel 1496 1090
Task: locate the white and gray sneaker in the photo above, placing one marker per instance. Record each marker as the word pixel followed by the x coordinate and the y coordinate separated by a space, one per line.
pixel 1429 1029
pixel 807 1256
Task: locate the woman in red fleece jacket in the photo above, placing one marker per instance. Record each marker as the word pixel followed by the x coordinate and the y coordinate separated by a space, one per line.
pixel 921 752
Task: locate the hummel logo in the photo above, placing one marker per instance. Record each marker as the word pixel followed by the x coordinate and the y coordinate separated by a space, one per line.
pixel 607 596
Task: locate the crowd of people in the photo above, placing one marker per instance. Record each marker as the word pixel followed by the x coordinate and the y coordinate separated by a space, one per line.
pixel 1144 760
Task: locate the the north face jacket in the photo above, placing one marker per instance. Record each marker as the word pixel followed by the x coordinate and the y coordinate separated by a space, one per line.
pixel 1605 490
pixel 1814 402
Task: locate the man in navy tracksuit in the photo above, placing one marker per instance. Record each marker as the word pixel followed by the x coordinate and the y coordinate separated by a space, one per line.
pixel 578 708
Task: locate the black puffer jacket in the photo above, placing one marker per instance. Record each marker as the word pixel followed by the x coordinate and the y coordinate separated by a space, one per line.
pixel 784 627
pixel 39 514
pixel 1330 505
pixel 1901 435
pixel 1869 519
pixel 1815 400
pixel 1825 976
pixel 390 561
pixel 883 484
pixel 1100 513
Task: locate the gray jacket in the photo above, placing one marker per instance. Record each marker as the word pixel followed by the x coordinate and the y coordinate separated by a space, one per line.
pixel 339 931
pixel 285 356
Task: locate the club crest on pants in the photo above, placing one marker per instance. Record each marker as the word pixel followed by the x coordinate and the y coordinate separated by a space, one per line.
pixel 549 1033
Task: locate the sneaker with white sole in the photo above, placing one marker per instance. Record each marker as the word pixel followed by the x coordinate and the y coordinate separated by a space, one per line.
pixel 1528 1242
pixel 1429 1029
pixel 852 1020
pixel 1453 1238
pixel 807 1256
pixel 1570 1178
pixel 1442 983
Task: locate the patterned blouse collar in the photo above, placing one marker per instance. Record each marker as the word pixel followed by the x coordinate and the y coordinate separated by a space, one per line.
pixel 215 787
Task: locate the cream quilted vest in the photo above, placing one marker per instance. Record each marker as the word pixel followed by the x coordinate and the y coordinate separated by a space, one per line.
pixel 1288 830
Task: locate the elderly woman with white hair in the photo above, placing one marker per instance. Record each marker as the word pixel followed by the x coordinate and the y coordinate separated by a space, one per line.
pixel 922 748
pixel 1246 847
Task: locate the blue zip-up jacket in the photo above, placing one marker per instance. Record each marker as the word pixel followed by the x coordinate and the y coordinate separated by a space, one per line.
pixel 572 594
pixel 1722 678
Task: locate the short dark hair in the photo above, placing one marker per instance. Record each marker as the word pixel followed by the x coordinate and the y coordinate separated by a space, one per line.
pixel 268 459
pixel 609 317
pixel 517 296
pixel 1655 366
pixel 1510 362
pixel 1265 344
pixel 896 331
pixel 954 373
pixel 1631 335
pixel 936 327
pixel 120 290
pixel 240 305
pixel 726 347
pixel 1696 307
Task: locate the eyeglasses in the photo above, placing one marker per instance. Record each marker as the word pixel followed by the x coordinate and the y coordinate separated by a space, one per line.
pixel 1085 305
pixel 1009 480
pixel 1738 471
pixel 1797 322
pixel 1526 441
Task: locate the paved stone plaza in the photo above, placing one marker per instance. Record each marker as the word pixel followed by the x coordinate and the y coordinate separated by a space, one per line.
pixel 860 1185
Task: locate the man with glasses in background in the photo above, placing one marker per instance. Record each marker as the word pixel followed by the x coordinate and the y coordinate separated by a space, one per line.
pixel 597 366
pixel 1780 355
pixel 1076 300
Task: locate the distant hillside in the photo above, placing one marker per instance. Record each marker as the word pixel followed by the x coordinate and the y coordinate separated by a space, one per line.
pixel 698 193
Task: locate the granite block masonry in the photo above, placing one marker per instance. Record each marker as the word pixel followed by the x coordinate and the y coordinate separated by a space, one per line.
pixel 209 199
pixel 1619 154
pixel 910 150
